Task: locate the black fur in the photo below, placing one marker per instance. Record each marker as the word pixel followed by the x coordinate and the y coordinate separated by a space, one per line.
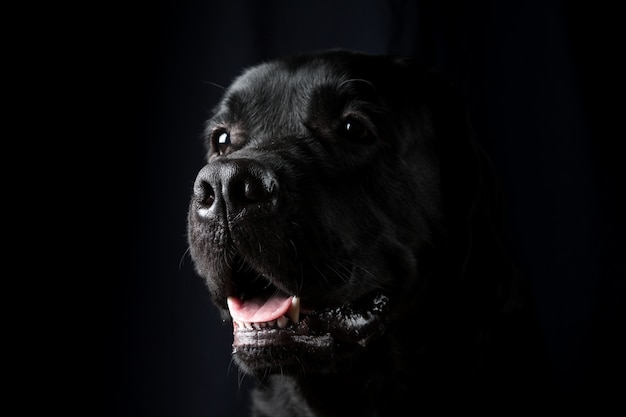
pixel 354 182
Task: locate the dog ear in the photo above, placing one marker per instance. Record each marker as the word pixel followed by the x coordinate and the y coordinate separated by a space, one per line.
pixel 472 202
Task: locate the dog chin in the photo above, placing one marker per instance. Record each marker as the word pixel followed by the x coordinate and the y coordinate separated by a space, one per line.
pixel 316 341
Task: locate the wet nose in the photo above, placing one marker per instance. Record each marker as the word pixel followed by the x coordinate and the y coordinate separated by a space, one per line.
pixel 230 187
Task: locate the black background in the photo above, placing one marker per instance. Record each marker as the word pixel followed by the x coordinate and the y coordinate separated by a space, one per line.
pixel 544 88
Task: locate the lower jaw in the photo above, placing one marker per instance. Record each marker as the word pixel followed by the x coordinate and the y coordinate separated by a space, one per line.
pixel 319 343
pixel 303 355
pixel 282 351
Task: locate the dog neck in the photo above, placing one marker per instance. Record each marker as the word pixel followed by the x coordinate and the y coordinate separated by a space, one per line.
pixel 456 375
pixel 375 385
pixel 322 395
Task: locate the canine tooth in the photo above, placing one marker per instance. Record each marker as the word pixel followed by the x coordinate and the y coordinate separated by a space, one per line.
pixel 256 325
pixel 271 323
pixel 294 309
pixel 247 325
pixel 282 322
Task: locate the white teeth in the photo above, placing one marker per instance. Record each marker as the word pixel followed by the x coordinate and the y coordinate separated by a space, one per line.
pixel 293 314
pixel 294 309
pixel 282 322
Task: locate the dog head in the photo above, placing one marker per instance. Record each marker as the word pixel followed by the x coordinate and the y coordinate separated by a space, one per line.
pixel 338 187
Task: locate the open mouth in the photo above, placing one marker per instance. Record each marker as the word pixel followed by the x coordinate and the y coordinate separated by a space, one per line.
pixel 272 329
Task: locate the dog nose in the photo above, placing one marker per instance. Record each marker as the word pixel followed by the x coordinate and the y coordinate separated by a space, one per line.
pixel 232 186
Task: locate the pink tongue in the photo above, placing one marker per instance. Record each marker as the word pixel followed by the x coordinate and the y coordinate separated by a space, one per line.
pixel 258 310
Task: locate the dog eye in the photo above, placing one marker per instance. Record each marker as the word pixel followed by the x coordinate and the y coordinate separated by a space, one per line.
pixel 355 131
pixel 222 143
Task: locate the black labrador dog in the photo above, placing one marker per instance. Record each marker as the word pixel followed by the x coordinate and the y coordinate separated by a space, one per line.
pixel 346 222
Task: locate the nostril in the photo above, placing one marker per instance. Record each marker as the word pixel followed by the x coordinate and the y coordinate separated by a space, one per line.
pixel 248 190
pixel 256 190
pixel 208 195
pixel 205 197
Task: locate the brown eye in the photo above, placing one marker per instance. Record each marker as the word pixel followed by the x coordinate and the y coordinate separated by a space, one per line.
pixel 222 142
pixel 355 131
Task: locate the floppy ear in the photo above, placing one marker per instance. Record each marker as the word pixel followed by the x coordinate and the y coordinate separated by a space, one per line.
pixel 471 196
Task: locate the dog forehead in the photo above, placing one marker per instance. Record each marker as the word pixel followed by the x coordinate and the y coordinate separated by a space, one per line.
pixel 289 74
pixel 289 93
pixel 278 88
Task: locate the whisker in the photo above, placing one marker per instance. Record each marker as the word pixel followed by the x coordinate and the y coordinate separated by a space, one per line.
pixel 182 257
pixel 214 84
pixel 354 80
pixel 362 269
